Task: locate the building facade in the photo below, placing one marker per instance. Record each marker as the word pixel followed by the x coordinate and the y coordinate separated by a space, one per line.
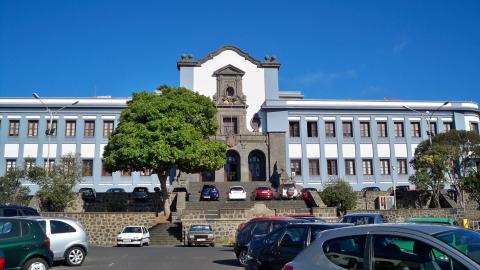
pixel 267 131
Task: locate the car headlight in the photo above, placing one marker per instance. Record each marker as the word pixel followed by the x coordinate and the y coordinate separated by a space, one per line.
pixel 190 236
pixel 210 235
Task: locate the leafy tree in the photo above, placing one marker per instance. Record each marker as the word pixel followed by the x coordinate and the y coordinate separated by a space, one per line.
pixel 160 131
pixel 11 189
pixel 56 188
pixel 471 184
pixel 340 194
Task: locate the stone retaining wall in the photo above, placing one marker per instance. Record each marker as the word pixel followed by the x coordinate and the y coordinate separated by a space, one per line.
pixel 103 228
pixel 398 216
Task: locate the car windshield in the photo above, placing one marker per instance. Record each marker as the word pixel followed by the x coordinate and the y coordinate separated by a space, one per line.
pixel 197 228
pixel 358 220
pixel 87 192
pixel 263 188
pixel 465 241
pixel 236 189
pixel 143 190
pixel 132 230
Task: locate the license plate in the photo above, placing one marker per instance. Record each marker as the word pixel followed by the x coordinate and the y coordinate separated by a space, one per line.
pixel 206 197
pixel 127 240
pixel 201 239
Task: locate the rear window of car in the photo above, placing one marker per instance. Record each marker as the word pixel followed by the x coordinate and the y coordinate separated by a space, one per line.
pixel 9 229
pixel 236 189
pixel 197 228
pixel 261 228
pixel 60 227
pixel 9 212
pixel 263 188
pixel 132 230
pixel 29 212
pixel 141 190
pixel 358 220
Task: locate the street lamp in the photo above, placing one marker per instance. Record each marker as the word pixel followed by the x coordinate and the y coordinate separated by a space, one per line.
pixel 428 117
pixel 50 131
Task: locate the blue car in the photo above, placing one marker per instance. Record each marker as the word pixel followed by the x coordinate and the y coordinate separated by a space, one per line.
pixel 362 218
pixel 209 193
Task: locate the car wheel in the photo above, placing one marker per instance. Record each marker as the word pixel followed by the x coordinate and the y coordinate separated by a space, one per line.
pixel 75 256
pixel 242 257
pixel 212 244
pixel 35 264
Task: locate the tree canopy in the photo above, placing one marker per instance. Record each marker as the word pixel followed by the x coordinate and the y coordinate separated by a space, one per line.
pixel 170 127
pixel 340 194
pixel 11 189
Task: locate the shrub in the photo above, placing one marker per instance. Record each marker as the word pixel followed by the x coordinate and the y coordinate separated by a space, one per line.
pixel 340 194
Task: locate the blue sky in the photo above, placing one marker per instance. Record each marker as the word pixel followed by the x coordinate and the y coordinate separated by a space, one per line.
pixel 427 50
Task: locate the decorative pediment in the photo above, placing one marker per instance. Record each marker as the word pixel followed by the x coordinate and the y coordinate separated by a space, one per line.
pixel 229 70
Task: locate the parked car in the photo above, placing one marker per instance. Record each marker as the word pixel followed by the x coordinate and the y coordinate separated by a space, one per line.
pixel 306 191
pixel 115 190
pixel 68 239
pixel 362 218
pixel 263 193
pixel 140 194
pixel 312 219
pixel 392 246
pixel 257 226
pixel 288 191
pixel 88 194
pixel 209 193
pixel 2 260
pixel 201 234
pixel 433 220
pixel 15 210
pixel 237 193
pixel 282 245
pixel 371 189
pixel 24 244
pixel 133 235
pixel 182 189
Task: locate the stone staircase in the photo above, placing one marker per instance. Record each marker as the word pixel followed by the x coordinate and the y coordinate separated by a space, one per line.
pixel 166 234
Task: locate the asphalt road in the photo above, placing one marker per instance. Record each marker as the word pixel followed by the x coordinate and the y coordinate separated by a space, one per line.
pixel 145 258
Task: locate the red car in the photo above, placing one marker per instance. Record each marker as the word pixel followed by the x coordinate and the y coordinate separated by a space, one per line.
pixel 263 193
pixel 305 191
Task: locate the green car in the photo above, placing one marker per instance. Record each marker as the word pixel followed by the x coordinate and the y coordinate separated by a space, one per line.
pixel 24 244
pixel 433 220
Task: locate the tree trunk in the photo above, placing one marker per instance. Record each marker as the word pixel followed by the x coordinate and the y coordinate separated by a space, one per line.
pixel 162 177
pixel 436 198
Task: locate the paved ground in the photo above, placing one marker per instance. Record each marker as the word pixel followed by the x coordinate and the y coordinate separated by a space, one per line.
pixel 145 258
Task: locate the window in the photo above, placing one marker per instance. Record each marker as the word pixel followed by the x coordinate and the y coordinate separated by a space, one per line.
pixel 474 127
pixel 10 212
pixel 447 126
pixel 402 166
pixel 107 128
pixel 230 91
pixel 87 168
pixel 347 252
pixel 395 252
pixel 347 129
pixel 415 129
pixel 48 165
pixel 312 129
pixel 330 129
pixel 382 129
pixel 52 131
pixel 384 166
pixel 296 166
pixel 313 168
pixel 294 128
pixel 104 170
pixel 261 228
pixel 13 128
pixel 365 129
pixel 367 167
pixel 349 166
pixel 89 129
pixel 28 165
pixel 433 129
pixel 70 128
pixel 294 237
pixel 32 128
pixel 230 125
pixel 11 164
pixel 9 229
pixel 332 167
pixel 60 227
pixel 399 130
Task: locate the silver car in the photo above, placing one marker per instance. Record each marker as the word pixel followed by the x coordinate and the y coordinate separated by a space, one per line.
pixel 392 246
pixel 68 239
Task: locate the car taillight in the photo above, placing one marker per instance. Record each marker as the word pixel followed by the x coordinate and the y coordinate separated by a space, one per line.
pixel 287 267
pixel 46 242
pixel 2 263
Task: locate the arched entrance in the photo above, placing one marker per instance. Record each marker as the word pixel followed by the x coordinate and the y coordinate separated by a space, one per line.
pixel 232 166
pixel 256 165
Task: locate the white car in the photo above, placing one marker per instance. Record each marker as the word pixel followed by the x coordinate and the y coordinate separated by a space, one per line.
pixel 134 235
pixel 289 191
pixel 237 193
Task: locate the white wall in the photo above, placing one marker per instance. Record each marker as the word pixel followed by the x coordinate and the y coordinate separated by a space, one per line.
pixel 253 84
pixel 331 150
pixel 366 150
pixel 30 150
pixel 295 150
pixel 383 150
pixel 313 150
pixel 470 118
pixel 401 150
pixel 348 150
pixel 11 151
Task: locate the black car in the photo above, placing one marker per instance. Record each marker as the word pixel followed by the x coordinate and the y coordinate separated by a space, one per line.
pixel 88 194
pixel 258 227
pixel 115 190
pixel 281 246
pixel 371 189
pixel 140 194
pixel 182 189
pixel 15 210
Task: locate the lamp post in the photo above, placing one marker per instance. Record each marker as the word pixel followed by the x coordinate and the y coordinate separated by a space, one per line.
pixel 394 188
pixel 50 131
pixel 428 117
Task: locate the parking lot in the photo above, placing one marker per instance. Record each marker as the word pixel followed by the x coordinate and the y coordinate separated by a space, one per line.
pixel 197 258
